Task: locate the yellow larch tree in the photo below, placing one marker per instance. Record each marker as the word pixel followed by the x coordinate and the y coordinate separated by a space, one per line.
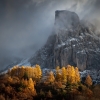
pixel 38 71
pixel 31 72
pixel 88 81
pixel 22 71
pixel 35 72
pixel 72 74
pixel 63 75
pixel 9 79
pixel 77 75
pixel 50 77
pixel 31 84
pixel 25 82
pixel 58 74
pixel 68 72
pixel 28 71
pixel 13 71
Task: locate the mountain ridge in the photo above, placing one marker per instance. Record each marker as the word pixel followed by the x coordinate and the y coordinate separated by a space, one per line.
pixel 73 42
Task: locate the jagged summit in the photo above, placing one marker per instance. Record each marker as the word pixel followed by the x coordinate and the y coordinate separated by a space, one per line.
pixel 66 20
pixel 72 43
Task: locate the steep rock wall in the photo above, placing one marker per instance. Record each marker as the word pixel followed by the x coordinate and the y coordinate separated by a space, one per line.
pixel 73 42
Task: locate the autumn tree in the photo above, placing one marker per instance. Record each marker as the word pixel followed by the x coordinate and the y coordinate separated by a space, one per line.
pixel 88 81
pixel 73 74
pixel 31 84
pixel 58 74
pixel 22 71
pixel 10 80
pixel 50 77
pixel 26 72
pixel 63 75
pixel 77 75
pixel 24 82
pixel 38 71
pixel 69 73
pixel 58 84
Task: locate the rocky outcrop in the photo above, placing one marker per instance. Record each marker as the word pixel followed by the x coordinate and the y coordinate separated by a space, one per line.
pixel 65 19
pixel 73 42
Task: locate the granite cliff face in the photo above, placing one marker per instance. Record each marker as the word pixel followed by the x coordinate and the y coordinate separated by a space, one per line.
pixel 73 42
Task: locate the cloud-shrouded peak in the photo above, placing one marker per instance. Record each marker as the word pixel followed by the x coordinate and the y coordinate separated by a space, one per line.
pixel 26 24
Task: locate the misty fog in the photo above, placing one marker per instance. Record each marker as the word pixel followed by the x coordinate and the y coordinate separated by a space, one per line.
pixel 26 24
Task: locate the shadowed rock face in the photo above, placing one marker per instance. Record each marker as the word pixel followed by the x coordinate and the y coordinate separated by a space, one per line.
pixel 73 42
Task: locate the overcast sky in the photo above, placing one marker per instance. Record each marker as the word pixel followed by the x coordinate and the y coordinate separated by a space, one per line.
pixel 26 24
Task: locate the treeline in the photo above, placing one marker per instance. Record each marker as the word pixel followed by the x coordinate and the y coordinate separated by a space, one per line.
pixel 68 74
pixel 28 82
pixel 26 71
pixel 65 74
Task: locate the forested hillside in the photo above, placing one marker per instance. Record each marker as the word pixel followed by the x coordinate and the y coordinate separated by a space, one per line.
pixel 29 83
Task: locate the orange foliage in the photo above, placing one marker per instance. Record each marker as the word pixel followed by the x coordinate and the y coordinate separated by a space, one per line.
pixel 28 72
pixel 58 84
pixel 50 77
pixel 68 74
pixel 88 81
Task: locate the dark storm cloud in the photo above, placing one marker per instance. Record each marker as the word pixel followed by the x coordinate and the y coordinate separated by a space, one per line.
pixel 26 24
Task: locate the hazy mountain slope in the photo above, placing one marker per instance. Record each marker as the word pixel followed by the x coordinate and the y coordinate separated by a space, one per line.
pixel 72 42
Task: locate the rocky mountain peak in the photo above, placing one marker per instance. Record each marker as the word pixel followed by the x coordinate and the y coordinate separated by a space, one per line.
pixel 74 42
pixel 66 20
